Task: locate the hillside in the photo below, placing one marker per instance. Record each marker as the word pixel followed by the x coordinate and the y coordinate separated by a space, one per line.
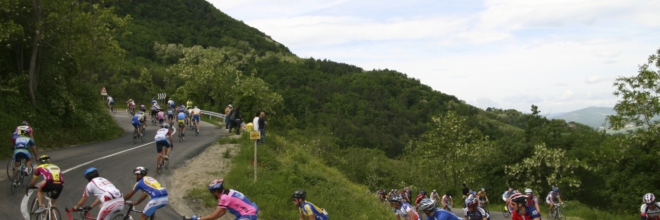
pixel 591 116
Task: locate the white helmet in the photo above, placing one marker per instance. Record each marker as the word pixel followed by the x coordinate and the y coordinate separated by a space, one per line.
pixel 528 191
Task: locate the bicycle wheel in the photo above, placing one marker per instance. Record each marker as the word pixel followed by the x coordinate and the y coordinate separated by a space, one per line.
pixel 167 164
pixel 180 138
pixel 560 215
pixel 55 214
pixel 122 217
pixel 159 169
pixel 505 212
pixel 10 169
pixel 14 187
pixel 142 136
pixel 34 205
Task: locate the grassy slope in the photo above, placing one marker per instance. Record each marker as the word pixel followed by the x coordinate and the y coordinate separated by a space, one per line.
pixel 287 166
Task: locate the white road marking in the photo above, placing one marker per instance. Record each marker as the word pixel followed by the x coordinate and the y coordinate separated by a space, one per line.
pixel 24 202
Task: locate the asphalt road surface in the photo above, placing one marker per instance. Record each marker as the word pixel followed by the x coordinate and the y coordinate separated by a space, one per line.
pixel 115 161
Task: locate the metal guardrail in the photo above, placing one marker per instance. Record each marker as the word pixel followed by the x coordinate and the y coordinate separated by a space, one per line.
pixel 215 114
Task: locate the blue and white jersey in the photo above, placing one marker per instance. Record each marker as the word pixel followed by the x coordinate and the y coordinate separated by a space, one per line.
pixel 403 211
pixel 23 143
pixel 162 134
pixel 181 116
pixel 151 187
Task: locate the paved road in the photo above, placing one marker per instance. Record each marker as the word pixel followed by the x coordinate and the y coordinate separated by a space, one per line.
pixel 117 168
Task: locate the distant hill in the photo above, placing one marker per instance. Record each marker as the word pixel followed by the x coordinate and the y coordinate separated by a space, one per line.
pixel 591 116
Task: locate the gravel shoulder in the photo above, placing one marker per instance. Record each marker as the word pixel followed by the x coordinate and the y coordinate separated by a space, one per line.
pixel 197 172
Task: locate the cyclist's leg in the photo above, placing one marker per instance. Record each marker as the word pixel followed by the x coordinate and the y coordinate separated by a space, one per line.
pixel 197 122
pixel 168 148
pixel 152 206
pixel 159 150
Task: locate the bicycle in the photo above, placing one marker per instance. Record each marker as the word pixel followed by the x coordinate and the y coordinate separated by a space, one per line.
pixel 137 135
pixel 131 111
pixel 194 126
pixel 484 205
pixel 84 213
pixel 505 211
pixel 16 183
pixel 447 208
pixel 127 216
pixel 163 163
pixel 557 213
pixel 51 213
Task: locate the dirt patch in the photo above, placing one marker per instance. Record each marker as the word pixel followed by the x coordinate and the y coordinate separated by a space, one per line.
pixel 211 162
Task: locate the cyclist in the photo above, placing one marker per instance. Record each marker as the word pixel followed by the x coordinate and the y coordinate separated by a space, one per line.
pixel 422 195
pixel 171 103
pixel 446 201
pixel 473 211
pixel 505 197
pixel 111 102
pixel 143 119
pixel 403 209
pixel 106 193
pixel 21 145
pixel 230 200
pixel 650 209
pixel 135 121
pixel 154 110
pixel 189 104
pixel 520 209
pixel 160 116
pixel 163 139
pixel 532 200
pixel 392 193
pixel 307 209
pixel 52 182
pixel 181 119
pixel 483 197
pixel 130 105
pixel 552 198
pixel 196 116
pixel 434 196
pixel 143 108
pixel 430 208
pixel 24 127
pixel 150 187
pixel 170 114
pixel 153 101
pixel 471 195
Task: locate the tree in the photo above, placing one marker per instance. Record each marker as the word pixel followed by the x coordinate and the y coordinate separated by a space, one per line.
pixel 639 97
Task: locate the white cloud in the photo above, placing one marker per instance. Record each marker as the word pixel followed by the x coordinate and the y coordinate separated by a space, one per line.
pixel 598 79
pixel 567 95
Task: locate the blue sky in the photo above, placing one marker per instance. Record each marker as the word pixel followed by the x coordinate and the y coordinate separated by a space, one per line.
pixel 559 55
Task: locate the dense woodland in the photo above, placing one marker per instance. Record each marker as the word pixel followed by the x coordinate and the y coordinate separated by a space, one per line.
pixel 380 128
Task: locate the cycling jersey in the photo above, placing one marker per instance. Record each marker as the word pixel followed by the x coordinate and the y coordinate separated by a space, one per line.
pixel 143 108
pixel 136 119
pixel 131 103
pixel 113 200
pixel 440 214
pixel 532 201
pixel 162 134
pixel 25 128
pixel 170 111
pixel 171 103
pixel 161 115
pixel 434 195
pixel 50 173
pixel 651 214
pixel 445 199
pixel 506 195
pixel 552 196
pixel 403 211
pixel 21 145
pixel 189 104
pixel 478 214
pixel 530 214
pixel 110 100
pixel 419 198
pixel 181 116
pixel 151 187
pixel 308 209
pixel 154 102
pixel 237 204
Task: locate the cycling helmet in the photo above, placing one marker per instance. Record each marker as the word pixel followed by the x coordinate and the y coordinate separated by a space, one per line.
pixel 299 194
pixel 434 190
pixel 518 198
pixel 44 159
pixel 555 189
pixel 528 191
pixel 471 202
pixel 395 199
pixel 483 189
pixel 165 125
pixel 230 106
pixel 91 173
pixel 25 123
pixel 140 170
pixel 216 184
pixel 422 192
pixel 516 191
pixel 473 192
pixel 648 198
pixel 427 204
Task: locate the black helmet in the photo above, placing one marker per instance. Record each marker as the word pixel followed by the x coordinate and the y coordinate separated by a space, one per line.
pixel 395 199
pixel 427 204
pixel 422 192
pixel 140 170
pixel 299 194
pixel 24 123
pixel 518 198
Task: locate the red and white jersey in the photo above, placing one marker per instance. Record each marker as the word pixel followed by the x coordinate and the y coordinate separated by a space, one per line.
pixel 102 189
pixel 651 214
pixel 26 128
pixel 162 134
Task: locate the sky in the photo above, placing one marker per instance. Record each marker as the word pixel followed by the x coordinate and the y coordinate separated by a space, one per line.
pixel 557 54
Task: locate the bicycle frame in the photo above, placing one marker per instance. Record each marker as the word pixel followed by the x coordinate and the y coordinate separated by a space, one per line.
pixel 50 210
pixel 131 208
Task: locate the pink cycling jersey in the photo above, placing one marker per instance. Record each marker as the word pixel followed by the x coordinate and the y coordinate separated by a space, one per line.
pixel 161 115
pixel 237 204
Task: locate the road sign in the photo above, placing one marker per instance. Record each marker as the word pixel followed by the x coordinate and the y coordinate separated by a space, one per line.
pixel 103 91
pixel 255 135
pixel 162 95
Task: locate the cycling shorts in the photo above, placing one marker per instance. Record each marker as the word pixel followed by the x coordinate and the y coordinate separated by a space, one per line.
pixel 160 121
pixel 195 117
pixel 182 122
pixel 20 154
pixel 112 103
pixel 247 217
pixel 54 189
pixel 153 205
pixel 153 112
pixel 170 117
pixel 162 143
pixel 136 124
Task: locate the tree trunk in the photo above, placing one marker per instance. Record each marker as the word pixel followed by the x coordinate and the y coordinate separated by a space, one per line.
pixel 36 5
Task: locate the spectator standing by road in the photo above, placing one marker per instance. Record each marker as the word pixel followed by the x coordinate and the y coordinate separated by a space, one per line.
pixel 255 122
pixel 227 121
pixel 238 120
pixel 262 127
pixel 465 191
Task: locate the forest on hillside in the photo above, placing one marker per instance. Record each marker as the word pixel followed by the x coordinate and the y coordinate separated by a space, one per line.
pixel 379 127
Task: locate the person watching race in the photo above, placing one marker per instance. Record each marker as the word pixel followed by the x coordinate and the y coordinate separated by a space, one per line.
pixel 446 201
pixel 533 200
pixel 170 115
pixel 483 197
pixel 431 210
pixel 170 103
pixel 160 116
pixel 520 209
pixel 106 193
pixel 23 127
pixel 21 145
pixel 307 209
pixel 136 122
pixel 181 119
pixel 53 182
pixel 473 211
pixel 229 200
pixel 420 196
pixel 552 198
pixel 196 113
pixel 151 188
pixel 403 210
pixel 650 209
pixel 163 139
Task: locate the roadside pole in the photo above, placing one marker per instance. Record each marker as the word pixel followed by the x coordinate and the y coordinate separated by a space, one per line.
pixel 255 135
